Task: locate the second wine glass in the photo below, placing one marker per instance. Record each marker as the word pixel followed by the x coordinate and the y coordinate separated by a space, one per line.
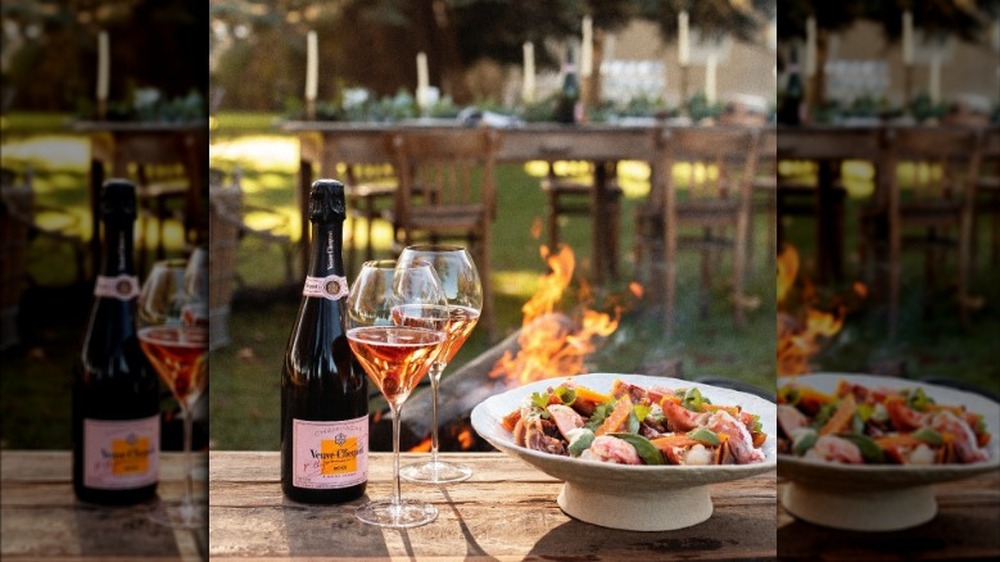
pixel 464 292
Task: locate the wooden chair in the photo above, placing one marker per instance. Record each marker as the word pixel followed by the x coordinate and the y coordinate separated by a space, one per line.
pixel 370 190
pixel 720 167
pixel 165 169
pixel 59 227
pixel 568 187
pixel 935 211
pixel 447 192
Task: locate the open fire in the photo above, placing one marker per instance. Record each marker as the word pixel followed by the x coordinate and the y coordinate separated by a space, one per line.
pixel 802 327
pixel 553 343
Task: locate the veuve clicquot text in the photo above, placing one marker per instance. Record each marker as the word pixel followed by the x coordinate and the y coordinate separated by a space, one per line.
pixel 324 396
pixel 116 409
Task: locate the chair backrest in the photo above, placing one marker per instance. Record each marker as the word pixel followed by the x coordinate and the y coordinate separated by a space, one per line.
pixel 445 168
pixel 716 162
pixel 933 163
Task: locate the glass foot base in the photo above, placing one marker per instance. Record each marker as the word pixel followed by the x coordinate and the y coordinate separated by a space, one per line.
pixel 431 472
pixel 407 513
pixel 178 515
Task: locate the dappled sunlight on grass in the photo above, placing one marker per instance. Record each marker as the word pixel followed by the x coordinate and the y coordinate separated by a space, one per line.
pixel 519 283
pixel 49 151
pixel 261 152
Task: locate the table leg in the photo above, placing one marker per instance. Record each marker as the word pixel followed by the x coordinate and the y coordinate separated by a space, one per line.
pixel 829 231
pixel 601 256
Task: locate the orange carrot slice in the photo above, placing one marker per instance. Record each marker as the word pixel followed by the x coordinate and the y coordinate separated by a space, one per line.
pixel 841 417
pixel 616 419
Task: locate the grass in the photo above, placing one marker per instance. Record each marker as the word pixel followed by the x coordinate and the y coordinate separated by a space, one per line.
pixel 245 375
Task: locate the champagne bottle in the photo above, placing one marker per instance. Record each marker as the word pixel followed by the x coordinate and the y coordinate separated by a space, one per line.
pixel 793 102
pixel 324 395
pixel 116 408
pixel 568 107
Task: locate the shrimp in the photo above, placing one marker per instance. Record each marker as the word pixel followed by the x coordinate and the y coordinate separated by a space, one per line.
pixel 835 449
pixel 790 419
pixel 606 448
pixel 740 441
pixel 966 444
pixel 565 418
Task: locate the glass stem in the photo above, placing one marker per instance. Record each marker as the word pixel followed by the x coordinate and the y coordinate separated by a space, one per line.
pixel 435 384
pixel 188 480
pixel 396 490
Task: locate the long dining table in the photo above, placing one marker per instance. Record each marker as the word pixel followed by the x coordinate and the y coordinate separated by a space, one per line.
pixel 324 145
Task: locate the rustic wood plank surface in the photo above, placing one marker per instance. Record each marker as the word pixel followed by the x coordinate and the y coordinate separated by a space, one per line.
pixel 40 519
pixel 967 527
pixel 507 511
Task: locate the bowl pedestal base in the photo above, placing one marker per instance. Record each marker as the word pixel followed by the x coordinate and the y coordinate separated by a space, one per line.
pixel 642 510
pixel 861 510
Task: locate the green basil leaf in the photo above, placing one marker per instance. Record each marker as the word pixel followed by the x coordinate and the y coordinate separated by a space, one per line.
pixel 870 450
pixel 694 401
pixel 928 435
pixel 705 436
pixel 647 451
pixel 804 442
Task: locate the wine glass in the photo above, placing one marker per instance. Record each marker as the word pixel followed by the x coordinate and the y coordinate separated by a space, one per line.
pixel 173 333
pixel 464 292
pixel 395 357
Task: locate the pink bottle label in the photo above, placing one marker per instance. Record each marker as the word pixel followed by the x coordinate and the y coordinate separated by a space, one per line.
pixel 121 454
pixel 332 287
pixel 121 287
pixel 329 454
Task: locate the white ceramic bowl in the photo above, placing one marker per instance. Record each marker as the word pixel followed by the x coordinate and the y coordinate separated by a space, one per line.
pixel 636 498
pixel 882 497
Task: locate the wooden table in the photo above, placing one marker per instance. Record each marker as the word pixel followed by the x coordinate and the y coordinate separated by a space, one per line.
pixel 507 511
pixel 325 144
pixel 41 519
pixel 967 527
pixel 115 146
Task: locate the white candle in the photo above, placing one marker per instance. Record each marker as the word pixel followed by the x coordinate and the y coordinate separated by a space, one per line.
pixel 908 38
pixel 810 46
pixel 312 65
pixel 423 79
pixel 683 41
pixel 528 87
pixel 587 47
pixel 103 65
pixel 710 87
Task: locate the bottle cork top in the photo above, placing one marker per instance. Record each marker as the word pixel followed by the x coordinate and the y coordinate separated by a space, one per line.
pixel 118 197
pixel 326 201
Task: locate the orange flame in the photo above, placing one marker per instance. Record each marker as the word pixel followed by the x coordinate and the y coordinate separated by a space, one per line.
pixel 465 439
pixel 553 344
pixel 422 447
pixel 800 338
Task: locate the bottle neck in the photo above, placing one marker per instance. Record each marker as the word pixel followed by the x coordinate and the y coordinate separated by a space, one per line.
pixel 119 258
pixel 326 257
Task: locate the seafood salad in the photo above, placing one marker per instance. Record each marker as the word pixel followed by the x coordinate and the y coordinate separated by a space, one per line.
pixel 636 426
pixel 865 425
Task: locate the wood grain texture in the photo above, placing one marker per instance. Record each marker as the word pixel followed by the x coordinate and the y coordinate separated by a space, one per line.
pixel 40 518
pixel 507 511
